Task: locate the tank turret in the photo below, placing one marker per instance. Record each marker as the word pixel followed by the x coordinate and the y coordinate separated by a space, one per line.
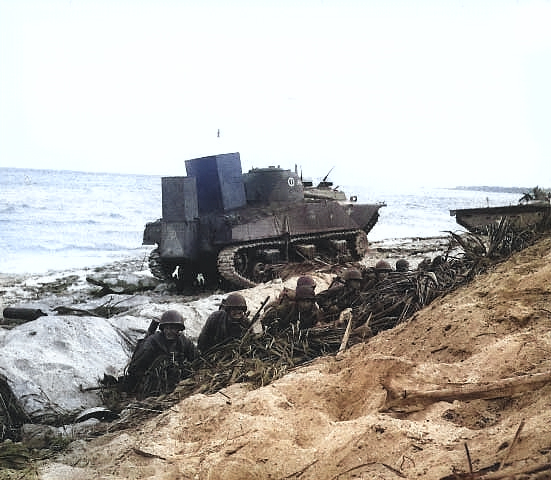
pixel 237 227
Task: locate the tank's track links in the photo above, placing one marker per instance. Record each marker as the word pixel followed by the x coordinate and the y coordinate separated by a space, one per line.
pixel 158 268
pixel 227 256
pixel 226 262
pixel 156 265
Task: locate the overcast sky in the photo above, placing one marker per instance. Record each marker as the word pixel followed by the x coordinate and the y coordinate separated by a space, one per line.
pixel 412 92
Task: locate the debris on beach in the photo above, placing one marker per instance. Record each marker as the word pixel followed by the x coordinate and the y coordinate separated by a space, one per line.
pixel 21 314
pixel 116 282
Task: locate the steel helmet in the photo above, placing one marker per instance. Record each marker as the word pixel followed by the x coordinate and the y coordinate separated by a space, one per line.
pixel 352 274
pixel 304 292
pixel 306 281
pixel 235 300
pixel 171 317
pixel 402 265
pixel 383 265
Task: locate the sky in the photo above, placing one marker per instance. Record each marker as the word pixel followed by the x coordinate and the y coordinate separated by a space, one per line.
pixel 417 92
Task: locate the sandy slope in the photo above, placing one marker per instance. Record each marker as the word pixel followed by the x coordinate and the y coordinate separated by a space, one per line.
pixel 328 420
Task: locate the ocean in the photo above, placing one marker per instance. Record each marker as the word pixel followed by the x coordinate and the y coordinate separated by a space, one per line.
pixel 52 220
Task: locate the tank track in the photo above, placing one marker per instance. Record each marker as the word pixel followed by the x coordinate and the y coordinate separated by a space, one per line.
pixel 226 262
pixel 160 269
pixel 227 257
pixel 156 265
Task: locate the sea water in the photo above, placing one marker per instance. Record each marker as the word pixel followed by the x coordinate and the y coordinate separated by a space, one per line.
pixel 54 220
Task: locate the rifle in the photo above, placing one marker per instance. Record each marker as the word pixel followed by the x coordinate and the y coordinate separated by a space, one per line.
pixel 257 314
pixel 152 327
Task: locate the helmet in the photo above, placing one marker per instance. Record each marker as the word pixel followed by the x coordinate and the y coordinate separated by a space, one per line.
pixel 235 300
pixel 383 265
pixel 304 292
pixel 306 281
pixel 438 260
pixel 352 274
pixel 171 317
pixel 402 265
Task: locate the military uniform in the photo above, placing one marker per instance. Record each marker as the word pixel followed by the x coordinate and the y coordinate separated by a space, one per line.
pixel 280 317
pixel 154 348
pixel 218 328
pixel 339 296
pixel 334 300
pixel 288 295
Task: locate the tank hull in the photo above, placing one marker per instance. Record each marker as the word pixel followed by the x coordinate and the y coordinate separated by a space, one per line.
pixel 218 223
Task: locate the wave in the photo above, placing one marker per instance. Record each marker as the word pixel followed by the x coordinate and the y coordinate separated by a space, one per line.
pixel 55 248
pixel 14 207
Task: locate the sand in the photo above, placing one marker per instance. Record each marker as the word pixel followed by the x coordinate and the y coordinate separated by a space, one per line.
pixel 346 416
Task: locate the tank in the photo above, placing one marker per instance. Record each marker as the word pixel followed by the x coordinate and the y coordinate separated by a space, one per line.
pixel 222 226
pixel 533 211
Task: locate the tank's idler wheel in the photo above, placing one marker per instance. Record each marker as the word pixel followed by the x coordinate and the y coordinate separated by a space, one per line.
pixel 158 268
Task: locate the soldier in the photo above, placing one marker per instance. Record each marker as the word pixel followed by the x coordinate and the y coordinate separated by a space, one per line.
pixel 301 311
pixel 340 296
pixel 383 266
pixel 372 276
pixel 228 322
pixel 288 294
pixel 167 345
pixel 306 281
pixel 402 265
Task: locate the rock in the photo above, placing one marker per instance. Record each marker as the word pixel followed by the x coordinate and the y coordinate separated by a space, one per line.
pixel 47 360
pixel 39 436
pixel 123 282
pixel 13 455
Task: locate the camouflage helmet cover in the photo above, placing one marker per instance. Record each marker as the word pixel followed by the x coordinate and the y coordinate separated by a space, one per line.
pixel 304 292
pixel 352 274
pixel 171 317
pixel 235 300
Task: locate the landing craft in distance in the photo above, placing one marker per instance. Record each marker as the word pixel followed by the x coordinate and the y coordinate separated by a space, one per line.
pixel 532 211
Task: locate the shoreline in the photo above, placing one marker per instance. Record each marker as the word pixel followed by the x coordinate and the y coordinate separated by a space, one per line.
pixel 414 249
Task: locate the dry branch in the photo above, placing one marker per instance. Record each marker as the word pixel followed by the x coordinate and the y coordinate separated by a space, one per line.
pixel 343 316
pixel 490 473
pixel 400 398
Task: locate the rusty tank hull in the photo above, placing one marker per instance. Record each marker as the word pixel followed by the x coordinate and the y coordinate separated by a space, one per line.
pixel 222 225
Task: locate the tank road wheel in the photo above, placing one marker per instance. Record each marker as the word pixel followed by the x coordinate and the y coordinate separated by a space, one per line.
pixel 241 262
pixel 259 272
pixel 361 245
pixel 232 265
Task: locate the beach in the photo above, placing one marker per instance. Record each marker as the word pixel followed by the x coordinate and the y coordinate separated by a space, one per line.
pixel 474 364
pixel 98 297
